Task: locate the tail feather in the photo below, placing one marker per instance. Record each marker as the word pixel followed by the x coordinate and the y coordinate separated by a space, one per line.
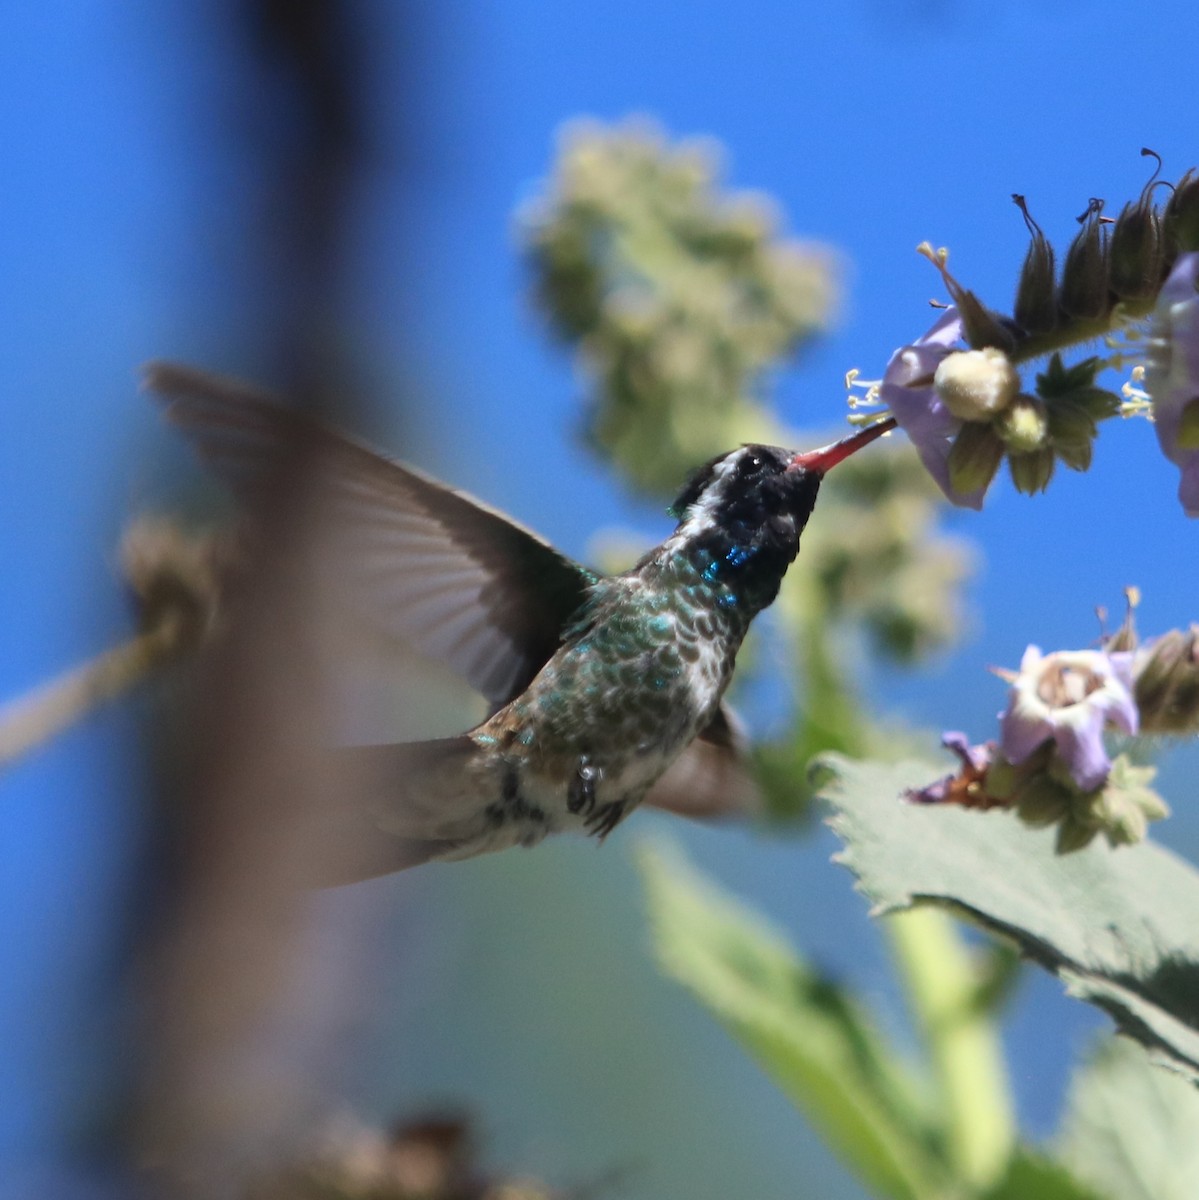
pixel 404 804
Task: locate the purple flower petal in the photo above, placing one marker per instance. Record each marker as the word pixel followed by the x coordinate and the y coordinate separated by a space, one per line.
pixel 1082 748
pixel 1021 733
pixel 907 390
pixel 1070 696
pixel 1172 375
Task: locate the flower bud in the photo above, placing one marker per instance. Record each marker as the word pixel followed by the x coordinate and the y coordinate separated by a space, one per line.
pixel 1124 806
pixel 1036 294
pixel 1074 833
pixel 976 384
pixel 1032 472
pixel 1024 425
pixel 1188 426
pixel 1166 683
pixel 1084 293
pixel 1042 801
pixel 1072 433
pixel 974 457
pixel 1003 779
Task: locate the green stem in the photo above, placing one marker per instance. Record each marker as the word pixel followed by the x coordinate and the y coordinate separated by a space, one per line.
pixel 42 714
pixel 1078 332
pixel 962 1042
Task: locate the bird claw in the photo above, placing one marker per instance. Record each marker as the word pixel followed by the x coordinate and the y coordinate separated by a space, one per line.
pixel 580 796
pixel 606 819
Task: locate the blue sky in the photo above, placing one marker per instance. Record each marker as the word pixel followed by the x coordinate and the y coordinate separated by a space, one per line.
pixel 875 126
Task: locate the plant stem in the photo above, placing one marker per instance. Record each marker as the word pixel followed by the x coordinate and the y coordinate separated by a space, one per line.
pixel 962 1042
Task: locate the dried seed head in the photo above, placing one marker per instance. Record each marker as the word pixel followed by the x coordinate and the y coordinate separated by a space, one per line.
pixel 1036 293
pixel 1137 246
pixel 1180 220
pixel 1084 293
pixel 1166 683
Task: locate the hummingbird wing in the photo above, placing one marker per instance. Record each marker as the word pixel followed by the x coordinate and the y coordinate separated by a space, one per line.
pixel 455 579
pixel 711 778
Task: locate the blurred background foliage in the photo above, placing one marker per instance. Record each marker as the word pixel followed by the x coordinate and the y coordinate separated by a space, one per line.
pixel 320 198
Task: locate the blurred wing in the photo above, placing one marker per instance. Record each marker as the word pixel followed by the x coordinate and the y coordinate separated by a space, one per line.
pixel 711 778
pixel 432 566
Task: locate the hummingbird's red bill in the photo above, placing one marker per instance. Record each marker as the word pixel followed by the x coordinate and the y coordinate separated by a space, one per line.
pixel 828 457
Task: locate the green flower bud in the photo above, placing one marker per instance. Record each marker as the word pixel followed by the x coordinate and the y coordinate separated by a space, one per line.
pixel 1036 294
pixel 1072 433
pixel 1074 834
pixel 974 457
pixel 1031 473
pixel 1024 425
pixel 1188 426
pixel 1084 293
pixel 1124 806
pixel 1166 683
pixel 1003 779
pixel 1042 801
pixel 976 384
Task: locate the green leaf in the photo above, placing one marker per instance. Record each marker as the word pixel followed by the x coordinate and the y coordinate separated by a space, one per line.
pixel 1031 1177
pixel 1130 1129
pixel 811 1037
pixel 1120 927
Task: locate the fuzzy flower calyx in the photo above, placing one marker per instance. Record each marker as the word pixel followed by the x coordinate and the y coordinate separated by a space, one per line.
pixel 1166 685
pixel 976 385
pixel 1069 697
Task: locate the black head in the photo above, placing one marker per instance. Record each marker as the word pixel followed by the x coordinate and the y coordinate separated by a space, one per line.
pixel 741 514
pixel 753 494
pixel 790 480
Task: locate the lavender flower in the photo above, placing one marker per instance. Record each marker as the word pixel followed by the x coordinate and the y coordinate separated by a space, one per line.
pixel 1172 376
pixel 1069 696
pixel 966 786
pixel 907 390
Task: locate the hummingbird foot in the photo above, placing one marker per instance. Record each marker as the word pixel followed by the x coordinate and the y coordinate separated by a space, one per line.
pixel 581 795
pixel 606 819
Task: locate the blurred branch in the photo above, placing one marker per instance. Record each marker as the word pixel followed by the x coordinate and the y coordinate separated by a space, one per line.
pixel 52 708
pixel 174 578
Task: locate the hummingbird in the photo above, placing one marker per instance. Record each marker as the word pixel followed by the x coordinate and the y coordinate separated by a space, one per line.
pixel 605 691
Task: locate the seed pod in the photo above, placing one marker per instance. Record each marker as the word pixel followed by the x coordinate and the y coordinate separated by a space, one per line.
pixel 1137 253
pixel 1180 221
pixel 1084 293
pixel 1036 294
pixel 1166 686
